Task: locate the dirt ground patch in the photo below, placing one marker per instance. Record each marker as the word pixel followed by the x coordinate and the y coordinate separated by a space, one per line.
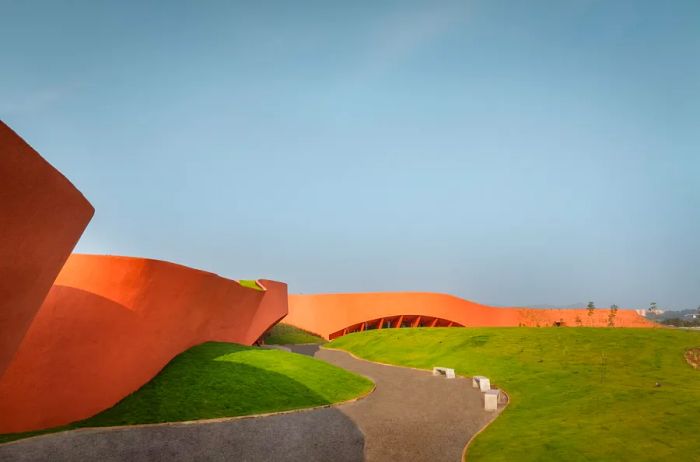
pixel 693 357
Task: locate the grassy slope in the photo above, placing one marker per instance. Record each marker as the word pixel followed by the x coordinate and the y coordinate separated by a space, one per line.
pixel 223 380
pixel 577 394
pixel 284 334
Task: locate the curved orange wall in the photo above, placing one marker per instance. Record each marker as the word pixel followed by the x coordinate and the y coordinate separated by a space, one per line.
pixel 325 314
pixel 42 216
pixel 110 324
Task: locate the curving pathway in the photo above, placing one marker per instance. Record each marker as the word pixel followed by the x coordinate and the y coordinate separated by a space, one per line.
pixel 411 416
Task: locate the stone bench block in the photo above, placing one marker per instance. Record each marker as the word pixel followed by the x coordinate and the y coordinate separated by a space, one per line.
pixel 447 372
pixel 491 399
pixel 481 382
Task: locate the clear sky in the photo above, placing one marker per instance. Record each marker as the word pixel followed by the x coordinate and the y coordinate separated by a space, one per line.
pixel 509 152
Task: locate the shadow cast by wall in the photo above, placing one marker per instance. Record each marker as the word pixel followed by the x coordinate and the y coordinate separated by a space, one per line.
pixel 205 385
pixel 187 393
pixel 308 350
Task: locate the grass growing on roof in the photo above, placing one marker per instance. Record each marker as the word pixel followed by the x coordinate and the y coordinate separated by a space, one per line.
pixel 283 334
pixel 225 380
pixel 577 394
pixel 250 283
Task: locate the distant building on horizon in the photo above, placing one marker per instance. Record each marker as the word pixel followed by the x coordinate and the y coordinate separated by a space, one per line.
pixel 645 312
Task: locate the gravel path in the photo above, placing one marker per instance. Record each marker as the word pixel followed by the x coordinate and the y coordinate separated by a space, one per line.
pixel 411 416
pixel 314 435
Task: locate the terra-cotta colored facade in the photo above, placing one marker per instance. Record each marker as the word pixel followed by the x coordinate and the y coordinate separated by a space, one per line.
pixel 79 333
pixel 42 216
pixel 332 315
pixel 109 324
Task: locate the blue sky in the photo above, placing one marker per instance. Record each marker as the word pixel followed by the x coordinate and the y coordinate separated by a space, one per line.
pixel 506 152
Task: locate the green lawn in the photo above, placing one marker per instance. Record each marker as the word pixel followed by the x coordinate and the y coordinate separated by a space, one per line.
pixel 224 380
pixel 284 334
pixel 577 394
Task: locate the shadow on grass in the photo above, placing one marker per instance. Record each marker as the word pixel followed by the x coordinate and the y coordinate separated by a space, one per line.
pixel 212 380
pixel 308 350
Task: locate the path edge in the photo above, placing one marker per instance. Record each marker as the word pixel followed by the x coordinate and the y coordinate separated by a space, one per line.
pixel 471 440
pixel 184 423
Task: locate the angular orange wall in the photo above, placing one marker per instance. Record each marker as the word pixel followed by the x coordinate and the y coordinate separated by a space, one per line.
pixel 108 324
pixel 111 323
pixel 42 216
pixel 325 314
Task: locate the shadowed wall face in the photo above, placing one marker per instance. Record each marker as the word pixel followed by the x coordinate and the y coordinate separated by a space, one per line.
pixel 42 216
pixel 111 323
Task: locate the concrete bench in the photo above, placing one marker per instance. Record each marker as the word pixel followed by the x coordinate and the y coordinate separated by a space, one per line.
pixel 491 399
pixel 481 382
pixel 449 373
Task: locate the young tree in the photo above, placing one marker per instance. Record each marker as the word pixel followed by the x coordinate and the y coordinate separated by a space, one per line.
pixel 652 309
pixel 591 308
pixel 611 316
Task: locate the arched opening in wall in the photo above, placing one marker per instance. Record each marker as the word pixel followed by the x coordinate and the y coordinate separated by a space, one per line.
pixel 396 322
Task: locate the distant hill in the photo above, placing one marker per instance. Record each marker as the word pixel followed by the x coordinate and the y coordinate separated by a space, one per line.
pixel 573 306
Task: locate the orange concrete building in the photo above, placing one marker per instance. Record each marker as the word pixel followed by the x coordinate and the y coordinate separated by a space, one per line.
pixel 42 216
pixel 109 324
pixel 76 342
pixel 333 315
pixel 79 333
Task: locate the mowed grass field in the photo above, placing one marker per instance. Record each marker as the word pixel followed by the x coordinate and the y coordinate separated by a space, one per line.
pixel 577 394
pixel 285 334
pixel 225 380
